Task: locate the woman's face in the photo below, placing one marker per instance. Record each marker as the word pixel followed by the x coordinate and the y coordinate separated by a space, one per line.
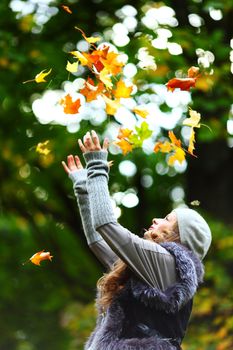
pixel 161 226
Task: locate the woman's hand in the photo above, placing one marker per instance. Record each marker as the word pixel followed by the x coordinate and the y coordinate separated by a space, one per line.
pixel 91 143
pixel 73 163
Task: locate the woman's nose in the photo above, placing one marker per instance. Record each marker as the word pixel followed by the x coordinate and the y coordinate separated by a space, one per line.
pixel 154 221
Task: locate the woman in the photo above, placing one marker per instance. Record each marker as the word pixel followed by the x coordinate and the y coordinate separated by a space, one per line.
pixel 145 299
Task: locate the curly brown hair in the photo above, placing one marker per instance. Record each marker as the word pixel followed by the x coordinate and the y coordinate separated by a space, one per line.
pixel 113 281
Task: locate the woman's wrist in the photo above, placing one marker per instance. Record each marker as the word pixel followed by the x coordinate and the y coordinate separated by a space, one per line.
pixel 78 176
pixel 95 155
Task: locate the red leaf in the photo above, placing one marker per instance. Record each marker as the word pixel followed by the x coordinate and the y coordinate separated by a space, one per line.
pixel 183 83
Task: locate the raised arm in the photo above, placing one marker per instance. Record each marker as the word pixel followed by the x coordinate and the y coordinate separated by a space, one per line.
pixel 149 261
pixel 99 247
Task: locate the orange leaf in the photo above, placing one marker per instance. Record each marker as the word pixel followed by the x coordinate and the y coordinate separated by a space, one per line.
pixel 66 8
pixel 173 139
pixel 124 133
pixel 164 147
pixel 183 83
pixel 125 146
pixel 111 63
pixel 40 256
pixel 122 90
pixel 69 106
pixel 193 72
pixel 90 91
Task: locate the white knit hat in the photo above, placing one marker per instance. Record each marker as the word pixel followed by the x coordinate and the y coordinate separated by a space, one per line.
pixel 194 231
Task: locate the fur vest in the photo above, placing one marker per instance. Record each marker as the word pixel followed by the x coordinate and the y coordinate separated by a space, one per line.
pixel 141 317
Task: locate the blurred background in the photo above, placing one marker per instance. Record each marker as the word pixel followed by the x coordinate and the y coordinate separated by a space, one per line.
pixel 52 306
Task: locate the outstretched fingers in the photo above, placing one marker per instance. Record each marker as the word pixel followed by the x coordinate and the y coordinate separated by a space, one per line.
pixel 67 170
pixel 73 163
pixel 81 146
pixel 105 144
pixel 96 141
pixel 78 162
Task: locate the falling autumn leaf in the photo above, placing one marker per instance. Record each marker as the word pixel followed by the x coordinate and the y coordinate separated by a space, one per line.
pixel 195 203
pixel 125 146
pixel 193 72
pixel 66 8
pixel 39 78
pixel 182 83
pixel 91 39
pixel 42 148
pixel 111 105
pixel 194 119
pixel 112 62
pixel 70 107
pixel 193 122
pixel 122 91
pixel 105 77
pixel 90 91
pixel 173 139
pixel 174 146
pixel 124 133
pixel 40 256
pixel 191 142
pixel 179 155
pixel 140 111
pixel 83 60
pixel 164 147
pixel 72 67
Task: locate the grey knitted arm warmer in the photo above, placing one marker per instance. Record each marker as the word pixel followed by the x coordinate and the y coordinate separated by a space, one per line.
pixel 95 241
pixel 79 178
pixel 97 182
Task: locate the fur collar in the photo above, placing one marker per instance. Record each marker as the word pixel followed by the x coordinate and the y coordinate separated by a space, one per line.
pixel 190 272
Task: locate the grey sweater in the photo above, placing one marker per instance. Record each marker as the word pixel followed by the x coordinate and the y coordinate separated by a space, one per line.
pixel 106 237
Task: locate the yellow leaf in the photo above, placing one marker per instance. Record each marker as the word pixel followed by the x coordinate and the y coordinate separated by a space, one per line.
pixel 142 112
pixel 105 77
pixel 39 78
pixel 164 147
pixel 125 146
pixel 194 119
pixel 124 133
pixel 179 155
pixel 72 67
pixel 40 256
pixel 90 39
pixel 122 91
pixel 111 105
pixel 83 60
pixel 42 149
pixel 195 203
pixel 191 141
